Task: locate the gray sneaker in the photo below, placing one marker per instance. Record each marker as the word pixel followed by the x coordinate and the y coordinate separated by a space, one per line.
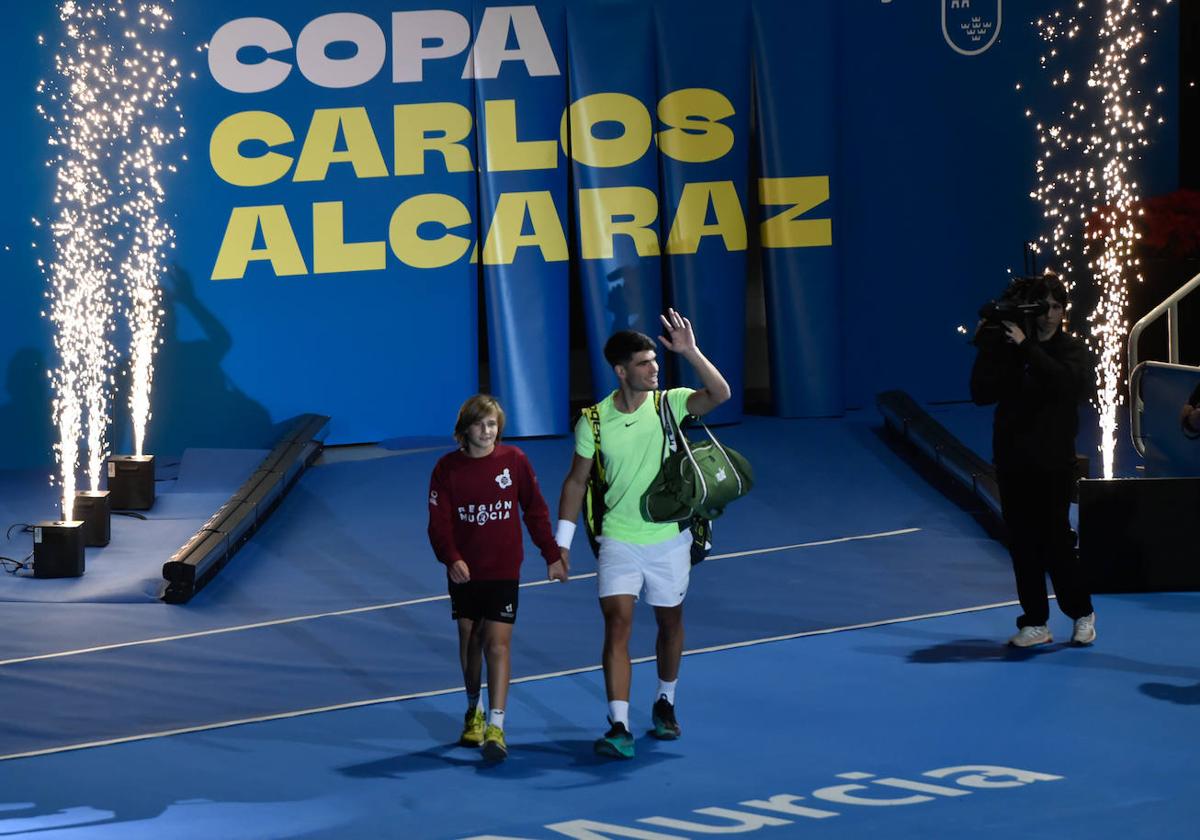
pixel 1085 630
pixel 1030 636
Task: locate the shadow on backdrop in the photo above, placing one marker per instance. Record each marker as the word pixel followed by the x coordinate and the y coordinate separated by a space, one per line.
pixel 25 424
pixel 195 404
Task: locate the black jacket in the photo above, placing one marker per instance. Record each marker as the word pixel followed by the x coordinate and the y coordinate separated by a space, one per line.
pixel 1037 388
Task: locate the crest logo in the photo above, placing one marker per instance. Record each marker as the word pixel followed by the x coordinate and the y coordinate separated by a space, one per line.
pixel 721 474
pixel 971 26
pixel 504 479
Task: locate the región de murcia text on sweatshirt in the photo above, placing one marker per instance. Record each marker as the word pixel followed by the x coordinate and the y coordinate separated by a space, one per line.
pixel 473 512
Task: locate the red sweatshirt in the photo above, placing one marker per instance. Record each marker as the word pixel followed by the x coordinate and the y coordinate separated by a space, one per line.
pixel 473 512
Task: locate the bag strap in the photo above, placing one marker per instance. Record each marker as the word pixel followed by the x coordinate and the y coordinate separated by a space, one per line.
pixel 592 413
pixel 671 433
pixel 668 420
pixel 679 442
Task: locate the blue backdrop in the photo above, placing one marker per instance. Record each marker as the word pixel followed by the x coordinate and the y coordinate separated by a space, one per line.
pixel 356 173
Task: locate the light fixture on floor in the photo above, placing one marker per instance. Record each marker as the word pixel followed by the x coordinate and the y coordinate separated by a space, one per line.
pixel 206 553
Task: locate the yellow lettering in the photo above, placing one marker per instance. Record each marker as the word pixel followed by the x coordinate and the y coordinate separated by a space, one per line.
pixel 279 243
pixel 434 127
pixel 621 108
pixel 232 166
pixel 362 150
pixel 332 253
pixel 505 235
pixel 785 230
pixel 690 224
pixel 597 225
pixel 411 248
pixel 695 135
pixel 505 153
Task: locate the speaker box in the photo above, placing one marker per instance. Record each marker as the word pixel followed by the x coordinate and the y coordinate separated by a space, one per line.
pixel 58 549
pixel 1139 534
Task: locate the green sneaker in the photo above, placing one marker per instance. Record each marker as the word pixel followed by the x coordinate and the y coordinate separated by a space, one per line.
pixel 472 734
pixel 666 728
pixel 494 748
pixel 617 742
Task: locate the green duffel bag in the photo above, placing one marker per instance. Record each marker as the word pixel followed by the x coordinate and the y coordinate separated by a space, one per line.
pixel 696 479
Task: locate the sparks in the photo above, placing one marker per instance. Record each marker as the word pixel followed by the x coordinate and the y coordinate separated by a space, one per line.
pixel 1084 186
pixel 96 106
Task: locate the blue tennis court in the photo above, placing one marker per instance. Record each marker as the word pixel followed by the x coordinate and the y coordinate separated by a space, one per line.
pixel 845 675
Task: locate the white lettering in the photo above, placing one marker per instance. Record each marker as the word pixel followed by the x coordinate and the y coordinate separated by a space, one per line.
pixel 410 31
pixel 417 36
pixel 360 30
pixel 921 787
pixel 490 51
pixel 842 795
pixel 592 830
pixel 982 776
pixel 742 822
pixel 783 803
pixel 232 74
pixel 738 822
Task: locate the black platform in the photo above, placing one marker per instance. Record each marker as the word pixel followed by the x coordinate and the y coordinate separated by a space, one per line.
pixel 1139 534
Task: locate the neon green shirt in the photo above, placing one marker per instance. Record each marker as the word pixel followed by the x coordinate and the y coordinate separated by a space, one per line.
pixel 631 445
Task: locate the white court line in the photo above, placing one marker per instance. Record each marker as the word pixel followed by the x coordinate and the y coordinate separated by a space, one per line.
pixel 375 701
pixel 357 610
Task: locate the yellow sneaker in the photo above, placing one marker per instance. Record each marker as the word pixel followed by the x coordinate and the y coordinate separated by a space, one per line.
pixel 472 734
pixel 494 748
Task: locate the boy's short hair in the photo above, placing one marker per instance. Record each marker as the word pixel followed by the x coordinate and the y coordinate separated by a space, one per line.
pixel 621 346
pixel 474 410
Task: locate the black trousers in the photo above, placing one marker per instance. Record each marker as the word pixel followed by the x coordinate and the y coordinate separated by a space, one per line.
pixel 1036 505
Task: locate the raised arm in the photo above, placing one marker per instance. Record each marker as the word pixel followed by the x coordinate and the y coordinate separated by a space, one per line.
pixel 681 339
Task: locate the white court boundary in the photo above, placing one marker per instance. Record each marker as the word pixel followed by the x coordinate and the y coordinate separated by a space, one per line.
pixel 216 631
pixel 375 701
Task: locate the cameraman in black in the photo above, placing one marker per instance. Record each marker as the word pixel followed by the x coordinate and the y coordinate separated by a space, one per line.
pixel 1036 374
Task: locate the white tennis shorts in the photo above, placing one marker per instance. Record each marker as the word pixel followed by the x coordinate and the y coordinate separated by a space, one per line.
pixel 661 569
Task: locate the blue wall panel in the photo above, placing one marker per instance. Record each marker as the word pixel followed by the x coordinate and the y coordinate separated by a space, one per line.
pixel 859 117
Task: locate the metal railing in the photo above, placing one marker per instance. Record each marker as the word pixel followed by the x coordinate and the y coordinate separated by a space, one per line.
pixel 1170 307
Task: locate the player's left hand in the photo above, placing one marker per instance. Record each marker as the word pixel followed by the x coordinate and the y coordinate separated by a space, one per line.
pixel 679 335
pixel 558 570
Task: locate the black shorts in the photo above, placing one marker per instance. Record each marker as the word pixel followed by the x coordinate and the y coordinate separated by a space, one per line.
pixel 495 600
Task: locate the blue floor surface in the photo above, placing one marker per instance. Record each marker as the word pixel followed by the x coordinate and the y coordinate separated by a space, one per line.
pixel 1114 724
pixel 352 536
pixel 338 602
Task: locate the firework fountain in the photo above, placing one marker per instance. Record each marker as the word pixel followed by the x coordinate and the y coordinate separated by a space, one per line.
pixel 107 86
pixel 1084 183
pixel 153 77
pixel 81 305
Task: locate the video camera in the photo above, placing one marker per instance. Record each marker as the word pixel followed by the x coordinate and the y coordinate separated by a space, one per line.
pixel 1019 304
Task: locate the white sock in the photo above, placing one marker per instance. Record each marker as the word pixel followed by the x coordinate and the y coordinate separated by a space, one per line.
pixel 666 689
pixel 496 718
pixel 618 712
pixel 475 701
